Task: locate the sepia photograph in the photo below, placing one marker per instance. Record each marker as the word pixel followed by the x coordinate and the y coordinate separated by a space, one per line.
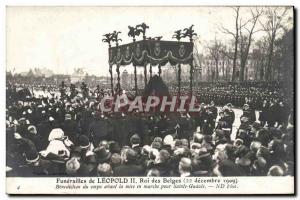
pixel 150 100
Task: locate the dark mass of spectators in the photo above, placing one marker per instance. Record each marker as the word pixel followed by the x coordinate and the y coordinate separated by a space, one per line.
pixel 236 93
pixel 70 136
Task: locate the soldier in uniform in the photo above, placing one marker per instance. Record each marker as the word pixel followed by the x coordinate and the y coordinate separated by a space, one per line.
pixel 73 91
pixel 263 115
pixel 231 115
pixel 62 90
pixel 85 90
pixel 98 129
pixel 201 116
pixel 214 110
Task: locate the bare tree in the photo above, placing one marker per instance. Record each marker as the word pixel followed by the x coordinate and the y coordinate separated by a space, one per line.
pixel 223 59
pixel 235 35
pixel 214 52
pixel 227 55
pixel 247 30
pixel 258 57
pixel 275 20
pixel 283 65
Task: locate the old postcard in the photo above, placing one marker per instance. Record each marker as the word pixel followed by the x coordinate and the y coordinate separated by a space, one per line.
pixel 150 100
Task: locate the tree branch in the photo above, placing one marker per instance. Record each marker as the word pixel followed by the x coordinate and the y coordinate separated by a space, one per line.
pixel 226 31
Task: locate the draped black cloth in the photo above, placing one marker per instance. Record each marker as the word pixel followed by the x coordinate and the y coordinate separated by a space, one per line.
pixel 151 51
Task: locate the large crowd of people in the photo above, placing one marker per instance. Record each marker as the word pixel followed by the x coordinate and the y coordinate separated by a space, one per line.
pixel 68 135
pixel 236 93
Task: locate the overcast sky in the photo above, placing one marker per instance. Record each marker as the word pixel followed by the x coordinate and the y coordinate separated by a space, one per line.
pixel 64 38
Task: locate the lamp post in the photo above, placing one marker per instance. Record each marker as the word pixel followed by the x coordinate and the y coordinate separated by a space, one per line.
pixel 143 27
pixel 108 39
pixel 178 35
pixel 189 32
pixel 133 31
pixel 116 39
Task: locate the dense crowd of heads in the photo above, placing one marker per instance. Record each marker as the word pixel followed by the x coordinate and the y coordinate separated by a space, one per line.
pixel 236 93
pixel 70 136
